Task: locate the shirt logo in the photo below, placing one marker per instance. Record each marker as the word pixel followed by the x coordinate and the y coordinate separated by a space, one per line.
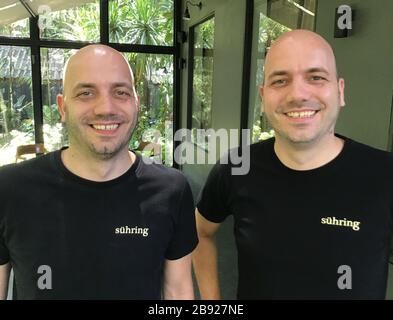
pixel 355 225
pixel 134 230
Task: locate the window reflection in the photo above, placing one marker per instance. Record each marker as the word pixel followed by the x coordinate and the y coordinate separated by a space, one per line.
pixel 16 106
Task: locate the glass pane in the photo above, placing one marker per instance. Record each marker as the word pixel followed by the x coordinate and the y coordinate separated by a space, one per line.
pixel 75 24
pixel 294 14
pixel 16 105
pixel 18 29
pixel 141 22
pixel 271 19
pixel 154 84
pixel 202 79
pixel 52 65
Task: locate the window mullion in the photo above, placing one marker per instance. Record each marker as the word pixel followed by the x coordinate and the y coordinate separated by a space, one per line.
pixel 36 80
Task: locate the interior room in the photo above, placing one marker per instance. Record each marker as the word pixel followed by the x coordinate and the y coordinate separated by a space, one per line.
pixel 198 66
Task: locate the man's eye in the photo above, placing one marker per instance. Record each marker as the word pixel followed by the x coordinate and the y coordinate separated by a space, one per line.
pixel 84 94
pixel 317 78
pixel 123 93
pixel 279 82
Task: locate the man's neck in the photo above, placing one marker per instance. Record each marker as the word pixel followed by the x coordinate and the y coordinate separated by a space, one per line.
pixel 308 156
pixel 95 169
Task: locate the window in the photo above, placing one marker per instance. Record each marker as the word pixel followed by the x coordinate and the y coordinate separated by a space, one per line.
pixel 142 29
pixel 141 22
pixel 18 29
pixel 74 24
pixel 201 76
pixel 52 65
pixel 271 19
pixel 154 85
pixel 16 106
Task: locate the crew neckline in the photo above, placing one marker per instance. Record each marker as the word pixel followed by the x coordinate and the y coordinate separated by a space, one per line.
pixel 90 183
pixel 327 167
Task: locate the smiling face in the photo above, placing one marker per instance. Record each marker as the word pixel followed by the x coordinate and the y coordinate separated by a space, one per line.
pixel 99 104
pixel 301 93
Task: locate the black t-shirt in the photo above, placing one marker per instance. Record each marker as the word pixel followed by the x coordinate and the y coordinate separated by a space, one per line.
pixel 297 232
pixel 101 240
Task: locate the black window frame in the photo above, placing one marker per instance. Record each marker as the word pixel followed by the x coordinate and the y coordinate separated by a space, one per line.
pixel 35 43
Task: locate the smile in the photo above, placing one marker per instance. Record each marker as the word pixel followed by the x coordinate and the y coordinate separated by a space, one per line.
pixel 302 114
pixel 105 127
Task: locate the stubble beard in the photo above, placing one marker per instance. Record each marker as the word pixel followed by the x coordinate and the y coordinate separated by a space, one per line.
pixel 306 139
pixel 106 152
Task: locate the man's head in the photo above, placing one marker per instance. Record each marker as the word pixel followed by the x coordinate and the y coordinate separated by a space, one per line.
pixel 302 93
pixel 99 104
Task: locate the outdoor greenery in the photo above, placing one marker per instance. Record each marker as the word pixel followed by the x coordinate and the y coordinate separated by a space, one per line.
pixel 269 31
pixel 148 22
pixel 203 74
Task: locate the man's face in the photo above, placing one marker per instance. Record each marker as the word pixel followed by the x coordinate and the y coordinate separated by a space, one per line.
pixel 99 105
pixel 301 94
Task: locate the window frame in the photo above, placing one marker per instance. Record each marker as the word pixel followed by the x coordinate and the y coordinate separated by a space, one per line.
pixel 35 43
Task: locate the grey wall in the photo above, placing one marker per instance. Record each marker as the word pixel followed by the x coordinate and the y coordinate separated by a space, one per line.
pixel 226 104
pixel 227 74
pixel 365 60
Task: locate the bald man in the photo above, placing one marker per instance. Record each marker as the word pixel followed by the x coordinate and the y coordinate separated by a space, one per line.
pixel 313 217
pixel 93 220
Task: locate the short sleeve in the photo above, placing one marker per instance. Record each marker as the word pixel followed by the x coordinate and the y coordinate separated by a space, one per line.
pixel 185 237
pixel 4 254
pixel 213 198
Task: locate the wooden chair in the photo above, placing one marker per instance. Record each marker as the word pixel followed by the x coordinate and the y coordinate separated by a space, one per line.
pixel 29 149
pixel 150 149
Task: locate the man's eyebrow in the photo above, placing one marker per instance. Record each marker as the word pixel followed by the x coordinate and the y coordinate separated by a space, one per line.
pixel 83 85
pixel 317 69
pixel 278 73
pixel 310 70
pixel 122 84
pixel 87 85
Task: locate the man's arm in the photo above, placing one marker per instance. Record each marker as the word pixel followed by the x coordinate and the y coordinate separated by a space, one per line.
pixel 4 276
pixel 204 259
pixel 178 279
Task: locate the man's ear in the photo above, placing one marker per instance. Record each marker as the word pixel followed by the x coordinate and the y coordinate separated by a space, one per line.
pixel 341 87
pixel 61 106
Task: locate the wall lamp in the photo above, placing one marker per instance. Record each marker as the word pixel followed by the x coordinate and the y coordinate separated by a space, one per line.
pixel 186 15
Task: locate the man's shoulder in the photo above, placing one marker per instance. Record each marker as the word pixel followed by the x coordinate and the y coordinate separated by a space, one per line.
pixel 20 169
pixel 368 152
pixel 160 172
pixel 255 152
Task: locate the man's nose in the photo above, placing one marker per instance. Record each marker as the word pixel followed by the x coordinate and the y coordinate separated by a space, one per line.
pixel 298 91
pixel 105 105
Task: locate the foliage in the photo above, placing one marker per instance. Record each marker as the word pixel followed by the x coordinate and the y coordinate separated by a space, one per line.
pixel 17 29
pixel 140 21
pixel 148 22
pixel 203 74
pixel 269 31
pixel 74 24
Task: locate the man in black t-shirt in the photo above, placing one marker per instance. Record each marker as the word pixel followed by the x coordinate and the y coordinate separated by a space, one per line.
pixel 313 217
pixel 94 220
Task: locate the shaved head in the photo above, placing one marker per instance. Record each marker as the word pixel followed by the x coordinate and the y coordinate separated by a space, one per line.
pixel 301 93
pixel 296 40
pixel 94 51
pixel 99 104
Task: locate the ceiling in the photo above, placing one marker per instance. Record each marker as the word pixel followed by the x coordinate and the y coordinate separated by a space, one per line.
pixel 14 10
